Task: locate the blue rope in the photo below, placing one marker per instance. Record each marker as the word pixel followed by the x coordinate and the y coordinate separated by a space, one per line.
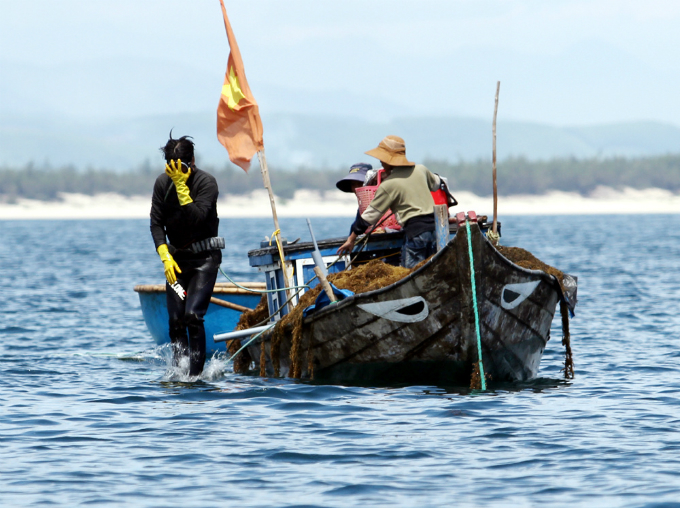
pixel 474 303
pixel 259 290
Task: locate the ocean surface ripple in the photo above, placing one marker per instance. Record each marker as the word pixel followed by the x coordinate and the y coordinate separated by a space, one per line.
pixel 93 415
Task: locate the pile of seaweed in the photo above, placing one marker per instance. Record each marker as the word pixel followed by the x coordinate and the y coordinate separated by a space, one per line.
pixel 258 316
pixel 367 277
pixel 254 317
pixel 526 259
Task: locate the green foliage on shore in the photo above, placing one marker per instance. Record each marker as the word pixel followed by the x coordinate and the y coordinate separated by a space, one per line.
pixel 515 176
pixel 45 183
pixel 520 176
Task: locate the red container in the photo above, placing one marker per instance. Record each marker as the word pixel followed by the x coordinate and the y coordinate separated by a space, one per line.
pixel 439 197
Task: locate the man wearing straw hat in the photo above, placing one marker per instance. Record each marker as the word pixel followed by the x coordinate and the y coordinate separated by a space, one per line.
pixel 407 192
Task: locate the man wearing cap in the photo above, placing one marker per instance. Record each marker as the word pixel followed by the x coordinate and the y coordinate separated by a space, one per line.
pixel 407 192
pixel 355 179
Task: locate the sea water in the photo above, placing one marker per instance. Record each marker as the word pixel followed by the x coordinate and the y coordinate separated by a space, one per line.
pixel 92 414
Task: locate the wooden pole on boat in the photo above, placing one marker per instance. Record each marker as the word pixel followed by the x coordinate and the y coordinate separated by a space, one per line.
pixel 495 188
pixel 229 305
pixel 324 284
pixel 441 219
pixel 268 185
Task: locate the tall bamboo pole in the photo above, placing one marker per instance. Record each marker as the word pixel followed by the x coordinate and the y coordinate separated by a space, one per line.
pixel 495 188
pixel 268 185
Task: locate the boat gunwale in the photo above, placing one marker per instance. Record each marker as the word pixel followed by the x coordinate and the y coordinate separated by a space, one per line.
pixel 220 288
pixel 291 248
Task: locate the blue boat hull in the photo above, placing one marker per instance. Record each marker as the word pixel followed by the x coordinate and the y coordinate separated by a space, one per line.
pixel 217 320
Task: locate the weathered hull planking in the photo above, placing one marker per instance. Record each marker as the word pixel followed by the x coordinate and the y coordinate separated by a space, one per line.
pixel 421 329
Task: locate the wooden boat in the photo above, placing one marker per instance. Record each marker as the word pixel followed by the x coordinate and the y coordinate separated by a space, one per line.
pixel 421 329
pixel 224 311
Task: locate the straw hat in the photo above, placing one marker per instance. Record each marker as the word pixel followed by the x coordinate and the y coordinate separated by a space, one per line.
pixel 392 151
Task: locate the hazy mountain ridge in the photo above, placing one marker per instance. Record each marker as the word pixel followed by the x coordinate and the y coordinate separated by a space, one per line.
pixel 107 111
pixel 316 141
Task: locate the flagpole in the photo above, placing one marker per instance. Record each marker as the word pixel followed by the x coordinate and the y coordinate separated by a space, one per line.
pixel 495 188
pixel 237 101
pixel 268 185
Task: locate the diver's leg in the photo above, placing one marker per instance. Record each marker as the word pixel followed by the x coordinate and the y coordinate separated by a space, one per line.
pixel 178 327
pixel 198 298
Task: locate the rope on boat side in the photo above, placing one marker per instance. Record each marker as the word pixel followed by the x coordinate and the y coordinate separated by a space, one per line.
pixel 262 291
pixel 474 304
pixel 248 343
pixel 566 342
pixel 276 234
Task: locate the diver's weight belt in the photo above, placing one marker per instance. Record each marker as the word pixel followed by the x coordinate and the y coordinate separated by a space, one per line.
pixel 214 243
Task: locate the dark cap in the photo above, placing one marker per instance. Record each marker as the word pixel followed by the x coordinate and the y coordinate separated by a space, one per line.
pixel 357 173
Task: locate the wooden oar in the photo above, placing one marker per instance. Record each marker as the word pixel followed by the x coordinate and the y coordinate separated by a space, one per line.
pixel 228 305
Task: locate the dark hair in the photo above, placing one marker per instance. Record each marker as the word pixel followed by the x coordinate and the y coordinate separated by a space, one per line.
pixel 182 148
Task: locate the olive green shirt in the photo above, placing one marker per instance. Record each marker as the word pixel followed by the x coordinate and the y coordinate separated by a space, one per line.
pixel 407 192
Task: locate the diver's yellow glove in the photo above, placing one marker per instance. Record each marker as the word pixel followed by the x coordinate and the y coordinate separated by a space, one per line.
pixel 179 178
pixel 169 264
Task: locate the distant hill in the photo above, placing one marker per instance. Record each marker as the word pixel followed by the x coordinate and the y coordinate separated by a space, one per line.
pixel 319 141
pixel 515 176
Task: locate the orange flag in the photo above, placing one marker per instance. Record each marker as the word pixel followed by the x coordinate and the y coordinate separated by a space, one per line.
pixel 239 127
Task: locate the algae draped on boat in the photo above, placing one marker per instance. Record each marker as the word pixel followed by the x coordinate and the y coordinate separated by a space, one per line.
pixel 366 277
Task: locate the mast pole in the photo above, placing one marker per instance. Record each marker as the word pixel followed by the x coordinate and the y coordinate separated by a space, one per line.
pixel 268 185
pixel 495 187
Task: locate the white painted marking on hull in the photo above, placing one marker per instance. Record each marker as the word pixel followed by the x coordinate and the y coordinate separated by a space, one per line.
pixel 405 310
pixel 514 294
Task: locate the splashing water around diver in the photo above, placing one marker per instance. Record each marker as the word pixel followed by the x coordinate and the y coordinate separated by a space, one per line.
pixel 215 368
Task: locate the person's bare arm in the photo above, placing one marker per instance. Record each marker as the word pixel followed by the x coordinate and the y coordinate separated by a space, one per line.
pixel 346 248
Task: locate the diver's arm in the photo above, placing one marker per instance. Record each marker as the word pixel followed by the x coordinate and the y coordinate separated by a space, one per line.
pixel 157 225
pixel 205 195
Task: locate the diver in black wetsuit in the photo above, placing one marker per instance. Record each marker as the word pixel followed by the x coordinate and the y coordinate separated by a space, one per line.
pixel 183 208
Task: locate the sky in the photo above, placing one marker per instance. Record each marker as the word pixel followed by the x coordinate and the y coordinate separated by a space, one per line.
pixel 559 62
pixel 75 73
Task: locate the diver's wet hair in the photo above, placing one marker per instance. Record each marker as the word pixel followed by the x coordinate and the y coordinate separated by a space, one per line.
pixel 182 148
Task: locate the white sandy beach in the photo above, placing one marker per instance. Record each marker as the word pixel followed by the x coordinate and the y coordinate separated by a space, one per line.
pixel 335 204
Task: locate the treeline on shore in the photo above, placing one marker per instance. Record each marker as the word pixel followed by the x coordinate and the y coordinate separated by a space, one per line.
pixel 515 176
